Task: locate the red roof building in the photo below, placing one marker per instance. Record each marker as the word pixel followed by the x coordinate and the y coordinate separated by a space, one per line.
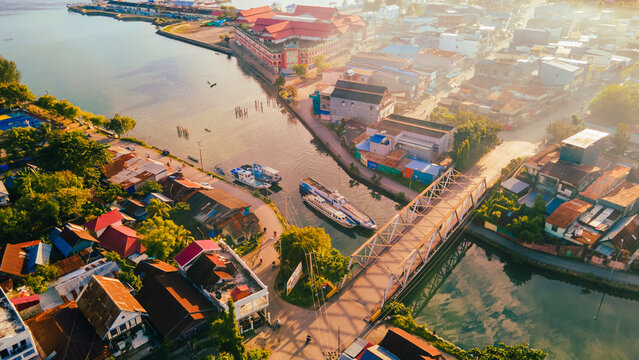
pixel 121 239
pixel 249 16
pixel 99 224
pixel 186 256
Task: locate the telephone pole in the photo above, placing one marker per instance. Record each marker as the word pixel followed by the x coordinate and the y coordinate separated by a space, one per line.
pixel 199 144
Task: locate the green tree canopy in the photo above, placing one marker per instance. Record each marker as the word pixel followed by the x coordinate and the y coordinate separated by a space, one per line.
pixel 621 139
pixel 300 69
pixel 39 280
pixel 616 104
pixel 66 109
pixel 163 238
pixel 120 124
pixel 150 186
pixel 502 351
pixel 20 142
pixel 157 208
pixel 13 94
pixel 227 334
pixel 280 81
pixel 559 130
pixel 475 136
pixel 320 63
pixel 9 72
pixel 46 101
pixel 73 151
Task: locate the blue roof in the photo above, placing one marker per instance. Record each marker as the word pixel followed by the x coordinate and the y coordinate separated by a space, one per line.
pixel 364 145
pixel 401 49
pixel 378 138
pixel 425 167
pixel 553 205
pixel 400 71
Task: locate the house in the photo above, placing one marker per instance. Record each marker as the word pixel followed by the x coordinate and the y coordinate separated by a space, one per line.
pixel 131 172
pixel 175 307
pixel 210 206
pixel 67 287
pixel 64 331
pixel 624 236
pixel 408 347
pixel 584 147
pixel 4 194
pixel 360 102
pixel 69 264
pixel 152 267
pixel 16 342
pixel 221 275
pixel 38 255
pixel 98 225
pixel 560 74
pixel 624 198
pixel 185 258
pixel 71 239
pixel 249 16
pixel 122 240
pixel 565 216
pixel 515 186
pixel 238 227
pixel 420 139
pixel 529 37
pixel 566 179
pixel 115 315
pixel 159 197
pixel 13 260
pixel 535 163
pixel 134 208
pixel 606 182
pixel 377 352
pixel 178 188
pixel 465 44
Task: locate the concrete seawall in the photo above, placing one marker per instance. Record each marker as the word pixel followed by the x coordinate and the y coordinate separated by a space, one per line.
pixel 213 47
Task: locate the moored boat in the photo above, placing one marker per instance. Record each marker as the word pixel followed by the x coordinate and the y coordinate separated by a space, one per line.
pixel 312 186
pixel 318 203
pixel 263 173
pixel 246 177
pixel 193 158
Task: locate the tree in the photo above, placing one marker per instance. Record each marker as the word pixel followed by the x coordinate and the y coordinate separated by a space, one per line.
pixel 73 151
pixel 20 142
pixel 297 242
pixel 475 136
pixel 46 102
pixel 528 229
pixel 95 120
pixel 280 81
pixel 539 206
pixel 320 63
pixel 12 224
pixel 631 72
pixel 620 139
pixel 39 280
pixel 126 275
pixel 616 103
pixel 65 109
pixel 502 351
pixel 157 208
pixel 300 69
pixel 9 72
pixel 163 238
pixel 257 354
pixel 120 124
pixel 331 265
pixel 150 186
pixel 559 130
pixel 14 94
pixel 227 334
pixel 292 91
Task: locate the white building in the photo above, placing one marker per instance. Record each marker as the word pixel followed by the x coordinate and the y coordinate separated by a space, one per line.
pixel 16 342
pixel 4 194
pixel 465 44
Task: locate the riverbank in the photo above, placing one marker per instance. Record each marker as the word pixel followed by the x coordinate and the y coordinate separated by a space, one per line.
pixel 623 281
pixel 192 33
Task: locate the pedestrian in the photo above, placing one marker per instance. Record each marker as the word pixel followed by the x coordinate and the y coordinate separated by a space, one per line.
pixel 147 155
pixel 273 264
pixel 275 234
pixel 261 261
pixel 264 230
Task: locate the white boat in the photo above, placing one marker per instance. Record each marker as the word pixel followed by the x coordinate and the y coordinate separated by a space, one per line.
pixel 312 186
pixel 318 203
pixel 246 177
pixel 264 173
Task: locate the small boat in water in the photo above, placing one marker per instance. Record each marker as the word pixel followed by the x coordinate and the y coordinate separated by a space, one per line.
pixel 219 170
pixel 193 158
pixel 207 130
pixel 321 205
pixel 264 173
pixel 246 177
pixel 338 201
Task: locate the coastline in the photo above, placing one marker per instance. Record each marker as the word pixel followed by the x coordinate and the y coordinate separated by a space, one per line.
pixel 623 281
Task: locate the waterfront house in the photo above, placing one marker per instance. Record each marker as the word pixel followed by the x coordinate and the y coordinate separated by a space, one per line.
pixel 408 347
pixel 185 258
pixel 624 198
pixel 565 179
pixel 210 207
pixel 115 315
pixel 360 102
pixel 64 330
pixel 16 342
pixel 220 274
pixel 607 181
pixel 131 172
pixel 71 239
pixel 565 216
pixel 175 307
pixel 623 237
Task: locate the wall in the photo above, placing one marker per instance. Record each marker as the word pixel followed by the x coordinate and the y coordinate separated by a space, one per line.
pixel 551 75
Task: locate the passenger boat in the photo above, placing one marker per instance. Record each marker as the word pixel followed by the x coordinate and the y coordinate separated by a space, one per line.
pixel 246 177
pixel 193 158
pixel 312 186
pixel 318 203
pixel 263 173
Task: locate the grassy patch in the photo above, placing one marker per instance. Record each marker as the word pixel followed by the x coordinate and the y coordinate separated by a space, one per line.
pixel 248 246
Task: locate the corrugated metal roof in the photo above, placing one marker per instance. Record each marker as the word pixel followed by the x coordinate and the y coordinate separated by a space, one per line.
pixel 585 138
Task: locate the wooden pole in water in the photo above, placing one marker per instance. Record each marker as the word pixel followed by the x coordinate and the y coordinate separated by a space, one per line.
pixel 199 144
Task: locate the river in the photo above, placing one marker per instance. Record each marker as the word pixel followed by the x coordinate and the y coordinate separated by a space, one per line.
pixel 108 66
pixel 486 299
